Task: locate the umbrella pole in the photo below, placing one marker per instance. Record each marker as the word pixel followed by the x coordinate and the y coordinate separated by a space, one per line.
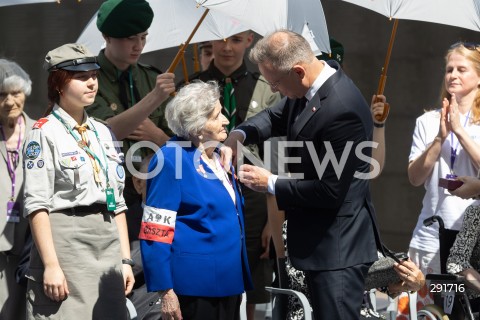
pixel 196 62
pixel 181 50
pixel 383 76
pixel 185 71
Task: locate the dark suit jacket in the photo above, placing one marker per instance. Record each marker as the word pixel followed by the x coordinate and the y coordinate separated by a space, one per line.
pixel 331 219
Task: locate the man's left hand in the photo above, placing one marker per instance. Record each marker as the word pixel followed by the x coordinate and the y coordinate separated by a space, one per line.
pixel 255 178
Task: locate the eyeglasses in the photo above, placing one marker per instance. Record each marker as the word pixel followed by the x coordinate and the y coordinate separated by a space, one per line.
pixel 274 85
pixel 468 45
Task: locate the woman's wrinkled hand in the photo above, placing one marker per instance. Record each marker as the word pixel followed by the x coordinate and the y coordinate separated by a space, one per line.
pixel 169 306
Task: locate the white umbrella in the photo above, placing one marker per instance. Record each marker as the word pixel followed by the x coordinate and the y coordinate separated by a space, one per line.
pixel 172 24
pixel 457 13
pixel 175 20
pixel 4 3
pixel 305 17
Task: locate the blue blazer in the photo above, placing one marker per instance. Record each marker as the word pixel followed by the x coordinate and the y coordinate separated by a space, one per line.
pixel 192 233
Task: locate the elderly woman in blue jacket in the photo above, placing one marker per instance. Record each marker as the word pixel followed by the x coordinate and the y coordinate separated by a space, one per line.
pixel 192 232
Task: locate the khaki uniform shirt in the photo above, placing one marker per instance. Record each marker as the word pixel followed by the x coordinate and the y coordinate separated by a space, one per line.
pixel 58 172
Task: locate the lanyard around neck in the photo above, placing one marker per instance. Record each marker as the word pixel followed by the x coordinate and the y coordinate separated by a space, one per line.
pixel 453 151
pixel 85 147
pixel 11 169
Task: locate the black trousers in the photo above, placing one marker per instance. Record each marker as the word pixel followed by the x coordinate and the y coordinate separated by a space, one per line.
pixel 208 308
pixel 337 294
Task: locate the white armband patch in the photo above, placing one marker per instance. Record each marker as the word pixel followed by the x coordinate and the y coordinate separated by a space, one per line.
pixel 158 224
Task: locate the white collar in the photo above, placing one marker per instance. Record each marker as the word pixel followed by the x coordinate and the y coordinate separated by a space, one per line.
pixel 326 73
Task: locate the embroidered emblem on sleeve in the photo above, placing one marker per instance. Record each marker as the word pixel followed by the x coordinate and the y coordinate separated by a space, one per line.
pixel 158 225
pixel 33 150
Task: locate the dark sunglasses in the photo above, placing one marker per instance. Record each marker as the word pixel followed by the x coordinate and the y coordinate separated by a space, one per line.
pixel 468 45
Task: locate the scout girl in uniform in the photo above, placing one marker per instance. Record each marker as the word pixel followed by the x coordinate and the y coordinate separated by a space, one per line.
pixel 80 264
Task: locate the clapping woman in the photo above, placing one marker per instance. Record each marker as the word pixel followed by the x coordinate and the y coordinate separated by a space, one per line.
pixel 446 143
pixel 80 265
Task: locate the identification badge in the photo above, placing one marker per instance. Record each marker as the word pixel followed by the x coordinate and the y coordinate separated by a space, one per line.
pixel 13 212
pixel 111 204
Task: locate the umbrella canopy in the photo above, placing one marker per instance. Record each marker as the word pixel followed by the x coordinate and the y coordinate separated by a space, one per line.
pixel 172 24
pixel 5 3
pixel 305 17
pixel 174 21
pixel 458 13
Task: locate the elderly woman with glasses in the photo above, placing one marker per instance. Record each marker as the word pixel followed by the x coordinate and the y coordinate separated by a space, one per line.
pixel 446 144
pixel 193 236
pixel 15 87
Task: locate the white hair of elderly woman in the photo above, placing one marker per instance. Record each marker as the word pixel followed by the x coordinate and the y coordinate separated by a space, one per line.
pixel 14 78
pixel 188 112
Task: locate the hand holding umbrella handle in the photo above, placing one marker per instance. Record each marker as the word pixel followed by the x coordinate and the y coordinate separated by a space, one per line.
pixel 386 109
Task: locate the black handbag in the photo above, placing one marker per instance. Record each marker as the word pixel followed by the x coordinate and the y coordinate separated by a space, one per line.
pixel 381 272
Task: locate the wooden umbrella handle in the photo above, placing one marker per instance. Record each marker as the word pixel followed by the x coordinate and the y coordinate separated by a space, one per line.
pixel 196 62
pixel 383 76
pixel 185 71
pixel 181 50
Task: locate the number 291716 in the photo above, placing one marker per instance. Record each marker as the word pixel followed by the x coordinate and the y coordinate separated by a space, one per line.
pixel 446 287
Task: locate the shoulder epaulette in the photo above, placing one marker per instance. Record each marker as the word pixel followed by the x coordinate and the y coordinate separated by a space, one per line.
pixel 150 67
pixel 40 122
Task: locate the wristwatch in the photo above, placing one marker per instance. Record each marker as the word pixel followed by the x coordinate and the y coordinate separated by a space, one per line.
pixel 128 261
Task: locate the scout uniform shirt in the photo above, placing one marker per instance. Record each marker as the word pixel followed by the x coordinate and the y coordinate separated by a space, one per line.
pixel 108 102
pixel 58 172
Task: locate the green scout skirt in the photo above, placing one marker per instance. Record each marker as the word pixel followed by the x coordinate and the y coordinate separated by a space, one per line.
pixel 88 249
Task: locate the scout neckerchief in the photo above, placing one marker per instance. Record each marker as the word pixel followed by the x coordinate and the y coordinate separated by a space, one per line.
pixel 110 196
pixel 229 103
pixel 13 212
pixel 453 151
pixel 83 133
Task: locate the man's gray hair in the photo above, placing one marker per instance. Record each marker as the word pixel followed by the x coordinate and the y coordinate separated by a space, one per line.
pixel 281 50
pixel 14 78
pixel 188 112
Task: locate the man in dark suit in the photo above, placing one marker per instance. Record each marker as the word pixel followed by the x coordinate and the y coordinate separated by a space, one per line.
pixel 331 234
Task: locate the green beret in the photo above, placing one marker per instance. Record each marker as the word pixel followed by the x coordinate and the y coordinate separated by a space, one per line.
pixel 124 18
pixel 337 52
